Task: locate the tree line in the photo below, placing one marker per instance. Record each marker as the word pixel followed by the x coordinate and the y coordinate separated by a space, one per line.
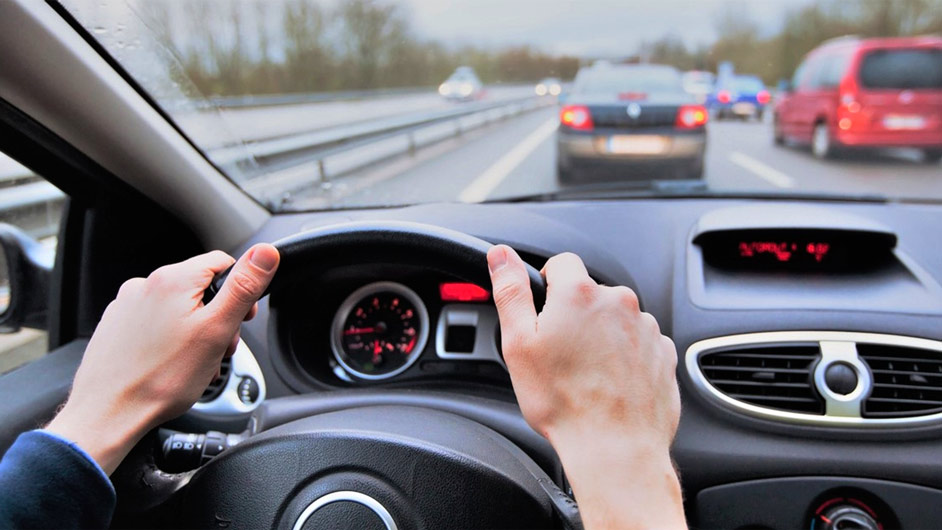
pixel 242 47
pixel 238 47
pixel 774 57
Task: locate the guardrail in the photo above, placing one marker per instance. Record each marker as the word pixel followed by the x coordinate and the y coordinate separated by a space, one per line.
pixel 267 100
pixel 274 168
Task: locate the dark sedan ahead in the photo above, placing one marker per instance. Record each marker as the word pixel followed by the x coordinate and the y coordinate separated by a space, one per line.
pixel 630 122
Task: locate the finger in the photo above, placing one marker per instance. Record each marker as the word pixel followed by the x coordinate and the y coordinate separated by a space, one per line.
pixel 568 279
pixel 233 345
pixel 246 283
pixel 194 273
pixel 512 294
pixel 252 312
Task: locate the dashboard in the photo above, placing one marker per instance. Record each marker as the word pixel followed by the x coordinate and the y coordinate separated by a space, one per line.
pixel 377 325
pixel 789 319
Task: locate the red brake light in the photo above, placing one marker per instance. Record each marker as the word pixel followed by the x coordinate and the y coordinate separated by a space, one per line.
pixel 632 96
pixel 576 117
pixel 848 92
pixel 723 96
pixel 691 117
pixel 463 292
pixel 763 97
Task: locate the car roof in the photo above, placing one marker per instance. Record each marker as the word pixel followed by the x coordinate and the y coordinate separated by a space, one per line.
pixel 857 43
pixel 635 68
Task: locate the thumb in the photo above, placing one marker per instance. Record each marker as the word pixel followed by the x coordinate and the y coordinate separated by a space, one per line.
pixel 512 295
pixel 246 283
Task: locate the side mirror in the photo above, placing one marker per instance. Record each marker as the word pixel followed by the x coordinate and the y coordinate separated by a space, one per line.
pixel 25 271
pixel 784 86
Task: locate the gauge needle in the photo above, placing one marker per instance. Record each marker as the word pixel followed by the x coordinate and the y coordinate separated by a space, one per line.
pixel 359 331
pixel 377 350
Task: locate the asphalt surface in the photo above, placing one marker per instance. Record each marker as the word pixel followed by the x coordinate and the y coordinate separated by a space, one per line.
pixel 517 157
pixel 212 129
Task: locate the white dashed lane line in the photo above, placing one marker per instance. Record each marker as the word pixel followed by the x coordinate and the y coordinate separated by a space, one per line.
pixel 759 169
pixel 490 178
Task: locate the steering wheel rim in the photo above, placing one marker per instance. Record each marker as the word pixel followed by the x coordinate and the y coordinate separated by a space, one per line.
pixel 398 242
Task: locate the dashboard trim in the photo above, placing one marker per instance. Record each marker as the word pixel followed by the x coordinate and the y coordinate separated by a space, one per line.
pixel 227 403
pixel 484 319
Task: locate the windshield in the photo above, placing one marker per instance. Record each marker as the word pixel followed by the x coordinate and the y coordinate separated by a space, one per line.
pixel 322 104
pixel 612 80
pixel 748 84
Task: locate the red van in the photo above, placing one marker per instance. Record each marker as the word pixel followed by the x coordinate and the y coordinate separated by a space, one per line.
pixel 866 93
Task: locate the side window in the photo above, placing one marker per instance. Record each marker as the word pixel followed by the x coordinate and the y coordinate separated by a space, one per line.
pixel 800 79
pixel 832 69
pixel 815 71
pixel 34 206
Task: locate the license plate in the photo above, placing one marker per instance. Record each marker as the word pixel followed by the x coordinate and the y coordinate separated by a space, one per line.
pixel 899 122
pixel 636 144
pixel 744 108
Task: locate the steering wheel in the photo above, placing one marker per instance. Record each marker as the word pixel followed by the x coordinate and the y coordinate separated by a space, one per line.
pixel 386 459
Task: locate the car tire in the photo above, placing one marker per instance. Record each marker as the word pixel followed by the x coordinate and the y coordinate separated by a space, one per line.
pixel 821 145
pixel 777 135
pixel 563 176
pixel 696 173
pixel 932 156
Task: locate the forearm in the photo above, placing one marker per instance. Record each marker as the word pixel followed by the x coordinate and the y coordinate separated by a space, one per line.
pixel 106 435
pixel 45 482
pixel 622 482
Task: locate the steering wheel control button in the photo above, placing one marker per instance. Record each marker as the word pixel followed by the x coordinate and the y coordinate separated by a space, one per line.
pixel 841 378
pixel 345 509
pixel 248 390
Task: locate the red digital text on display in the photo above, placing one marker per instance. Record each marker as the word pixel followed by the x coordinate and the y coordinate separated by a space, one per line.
pixel 784 251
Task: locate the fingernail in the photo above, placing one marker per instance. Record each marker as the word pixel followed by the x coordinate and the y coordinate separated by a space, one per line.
pixel 264 258
pixel 496 259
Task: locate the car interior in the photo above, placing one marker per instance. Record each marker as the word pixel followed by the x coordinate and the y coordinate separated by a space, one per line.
pixel 808 329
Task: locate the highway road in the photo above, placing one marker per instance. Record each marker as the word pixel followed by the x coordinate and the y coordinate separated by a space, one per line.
pixel 517 157
pixel 211 129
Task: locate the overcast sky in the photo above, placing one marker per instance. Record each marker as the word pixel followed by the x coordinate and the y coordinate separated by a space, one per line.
pixel 584 27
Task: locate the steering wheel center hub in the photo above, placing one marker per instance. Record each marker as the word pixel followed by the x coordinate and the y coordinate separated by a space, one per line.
pixel 354 509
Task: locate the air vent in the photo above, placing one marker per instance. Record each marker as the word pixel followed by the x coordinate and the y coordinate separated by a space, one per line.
pixel 906 381
pixel 215 388
pixel 775 376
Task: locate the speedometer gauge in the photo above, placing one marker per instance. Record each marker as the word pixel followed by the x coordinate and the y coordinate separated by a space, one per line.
pixel 379 330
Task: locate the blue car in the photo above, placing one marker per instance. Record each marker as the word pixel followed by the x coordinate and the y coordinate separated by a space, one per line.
pixel 740 96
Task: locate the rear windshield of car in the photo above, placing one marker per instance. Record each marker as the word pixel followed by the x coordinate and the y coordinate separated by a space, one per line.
pixel 902 69
pixel 619 80
pixel 748 84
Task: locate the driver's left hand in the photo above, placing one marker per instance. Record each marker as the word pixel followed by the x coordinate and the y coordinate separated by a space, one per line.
pixel 156 349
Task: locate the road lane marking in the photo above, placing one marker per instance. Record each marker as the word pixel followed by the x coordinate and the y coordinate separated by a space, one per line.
pixel 488 181
pixel 769 174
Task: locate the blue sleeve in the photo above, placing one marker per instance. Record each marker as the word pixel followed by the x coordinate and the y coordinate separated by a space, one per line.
pixel 48 482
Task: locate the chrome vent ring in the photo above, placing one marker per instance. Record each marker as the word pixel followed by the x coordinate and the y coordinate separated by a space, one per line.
pixel 826 378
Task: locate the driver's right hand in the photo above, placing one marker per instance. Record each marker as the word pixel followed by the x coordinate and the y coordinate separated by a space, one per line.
pixel 595 376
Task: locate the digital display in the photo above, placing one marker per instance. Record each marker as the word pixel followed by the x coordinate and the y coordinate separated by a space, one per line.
pixel 785 251
pixel 796 249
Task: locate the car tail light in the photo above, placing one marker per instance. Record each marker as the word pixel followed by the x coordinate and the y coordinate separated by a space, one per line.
pixel 763 97
pixel 691 117
pixel 723 96
pixel 576 117
pixel 632 96
pixel 848 93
